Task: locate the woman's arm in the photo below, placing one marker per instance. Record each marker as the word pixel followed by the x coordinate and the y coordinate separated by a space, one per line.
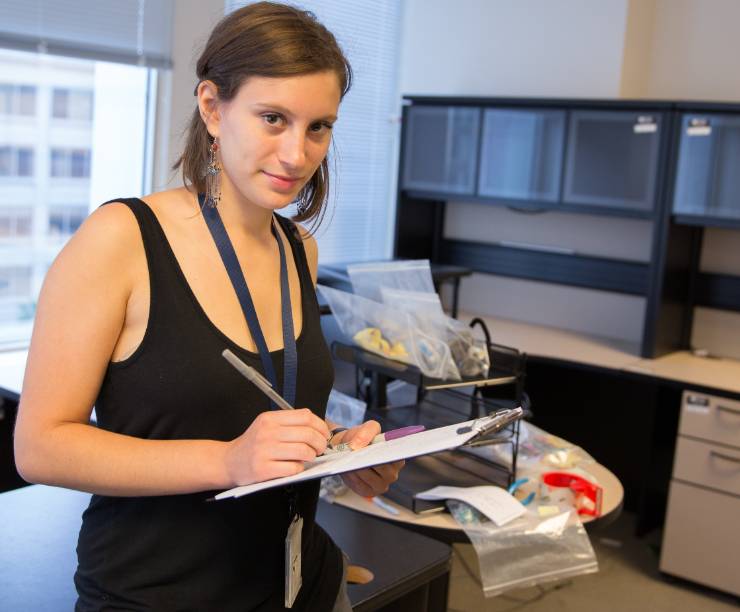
pixel 81 313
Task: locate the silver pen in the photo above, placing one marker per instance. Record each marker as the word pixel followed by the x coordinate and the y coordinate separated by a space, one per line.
pixel 257 379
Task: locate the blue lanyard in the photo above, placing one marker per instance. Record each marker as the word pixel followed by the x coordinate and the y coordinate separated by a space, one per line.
pixel 231 262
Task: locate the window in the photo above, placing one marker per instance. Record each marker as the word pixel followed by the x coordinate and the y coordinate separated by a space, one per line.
pixel 70 163
pixel 72 104
pixel 16 161
pixel 17 99
pixel 103 62
pixel 25 162
pixel 15 222
pixel 39 213
pixel 64 220
pixel 15 282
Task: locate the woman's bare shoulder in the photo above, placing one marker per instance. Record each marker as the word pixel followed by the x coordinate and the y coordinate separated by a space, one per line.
pixel 109 227
pixel 171 202
pixel 110 238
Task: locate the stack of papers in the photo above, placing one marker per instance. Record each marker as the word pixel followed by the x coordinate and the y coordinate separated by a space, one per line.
pixel 494 502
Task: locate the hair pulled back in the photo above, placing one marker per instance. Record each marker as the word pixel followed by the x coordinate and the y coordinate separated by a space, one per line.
pixel 264 39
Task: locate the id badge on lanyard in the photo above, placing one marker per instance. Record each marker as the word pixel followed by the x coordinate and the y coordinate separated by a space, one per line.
pixel 293 577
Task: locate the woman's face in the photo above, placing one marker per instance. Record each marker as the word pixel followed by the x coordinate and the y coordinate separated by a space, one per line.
pixel 274 134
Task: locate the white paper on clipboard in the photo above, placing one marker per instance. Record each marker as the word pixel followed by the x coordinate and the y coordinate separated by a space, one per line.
pixel 423 443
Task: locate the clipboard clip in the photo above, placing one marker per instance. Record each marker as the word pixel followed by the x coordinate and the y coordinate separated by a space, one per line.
pixel 490 424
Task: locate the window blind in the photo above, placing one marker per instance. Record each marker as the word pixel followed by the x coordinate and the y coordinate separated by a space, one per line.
pixel 359 223
pixel 124 31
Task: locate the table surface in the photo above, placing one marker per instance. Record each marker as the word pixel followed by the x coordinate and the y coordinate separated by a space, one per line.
pixel 613 494
pixel 563 345
pixel 39 527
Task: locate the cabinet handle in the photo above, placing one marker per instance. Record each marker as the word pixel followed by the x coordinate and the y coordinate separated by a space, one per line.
pixel 717 455
pixel 515 244
pixel 728 409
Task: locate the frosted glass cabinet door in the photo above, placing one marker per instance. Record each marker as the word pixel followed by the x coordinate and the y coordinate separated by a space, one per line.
pixel 708 174
pixel 521 154
pixel 441 148
pixel 612 159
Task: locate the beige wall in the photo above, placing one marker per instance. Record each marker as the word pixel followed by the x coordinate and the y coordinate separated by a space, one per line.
pixel 695 50
pixel 638 48
pixel 673 49
pixel 523 48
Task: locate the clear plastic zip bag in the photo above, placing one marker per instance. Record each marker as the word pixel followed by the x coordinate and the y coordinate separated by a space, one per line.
pixel 345 410
pixel 468 351
pixel 390 332
pixel 527 551
pixel 368 278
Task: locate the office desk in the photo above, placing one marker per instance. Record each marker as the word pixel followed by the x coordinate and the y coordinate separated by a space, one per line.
pixel 599 394
pixel 39 527
pixel 548 344
pixel 709 374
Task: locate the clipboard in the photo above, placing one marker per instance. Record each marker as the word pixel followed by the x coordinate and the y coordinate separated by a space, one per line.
pixel 423 443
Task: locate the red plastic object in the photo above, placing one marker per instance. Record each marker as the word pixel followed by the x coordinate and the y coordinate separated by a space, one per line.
pixel 588 495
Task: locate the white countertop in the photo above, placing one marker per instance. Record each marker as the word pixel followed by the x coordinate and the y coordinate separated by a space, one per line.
pixel 12 368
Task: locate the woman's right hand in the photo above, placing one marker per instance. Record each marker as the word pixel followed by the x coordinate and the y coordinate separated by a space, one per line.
pixel 276 444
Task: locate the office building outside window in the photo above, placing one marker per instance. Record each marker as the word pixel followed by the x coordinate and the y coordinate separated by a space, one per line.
pixel 72 104
pixel 15 222
pixel 17 99
pixel 65 220
pixel 78 97
pixel 16 161
pixel 61 133
pixel 70 163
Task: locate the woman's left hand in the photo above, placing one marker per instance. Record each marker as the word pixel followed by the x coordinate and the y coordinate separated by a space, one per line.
pixel 369 481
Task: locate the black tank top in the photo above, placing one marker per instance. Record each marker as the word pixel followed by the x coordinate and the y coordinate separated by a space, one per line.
pixel 180 552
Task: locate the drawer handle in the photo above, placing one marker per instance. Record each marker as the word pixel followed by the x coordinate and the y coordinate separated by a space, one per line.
pixel 728 409
pixel 723 456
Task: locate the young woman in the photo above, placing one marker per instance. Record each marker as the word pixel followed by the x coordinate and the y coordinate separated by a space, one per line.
pixel 135 313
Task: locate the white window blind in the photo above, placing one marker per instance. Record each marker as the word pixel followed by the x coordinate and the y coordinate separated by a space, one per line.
pixel 124 31
pixel 359 223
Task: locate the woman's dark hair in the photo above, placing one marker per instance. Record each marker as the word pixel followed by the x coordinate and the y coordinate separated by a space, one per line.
pixel 264 39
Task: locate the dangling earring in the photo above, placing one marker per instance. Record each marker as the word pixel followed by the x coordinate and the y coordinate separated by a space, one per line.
pixel 301 205
pixel 213 178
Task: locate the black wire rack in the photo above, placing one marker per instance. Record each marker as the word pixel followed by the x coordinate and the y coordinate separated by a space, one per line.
pixel 399 395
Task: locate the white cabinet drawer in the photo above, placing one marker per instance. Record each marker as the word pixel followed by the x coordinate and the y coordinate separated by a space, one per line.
pixel 701 538
pixel 711 418
pixel 708 465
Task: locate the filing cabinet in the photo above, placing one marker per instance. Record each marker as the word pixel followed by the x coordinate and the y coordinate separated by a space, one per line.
pixel 701 538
